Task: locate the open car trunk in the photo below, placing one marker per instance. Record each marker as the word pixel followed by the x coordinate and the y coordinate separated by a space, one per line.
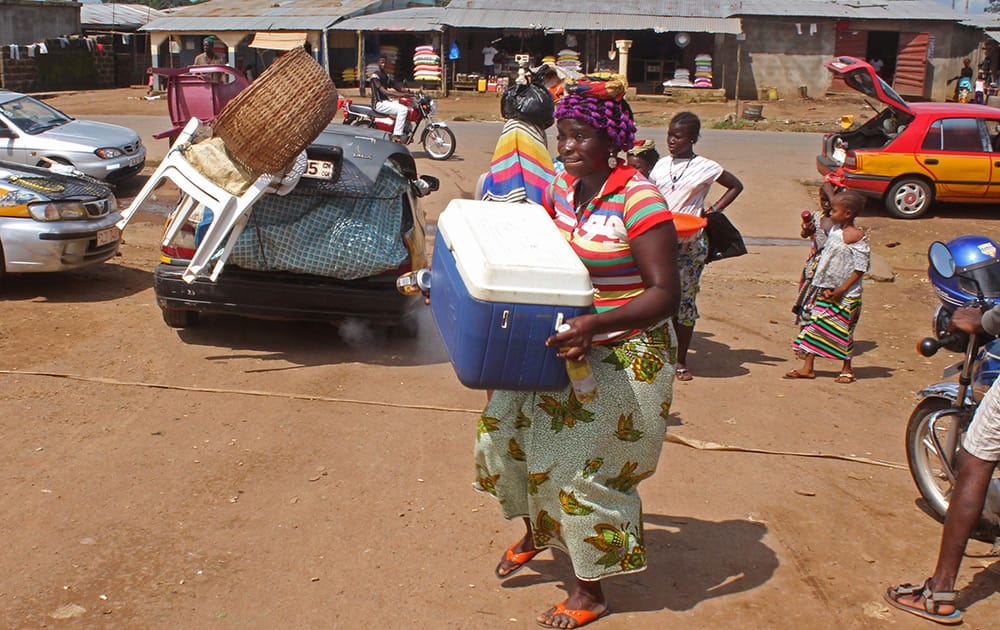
pixel 881 130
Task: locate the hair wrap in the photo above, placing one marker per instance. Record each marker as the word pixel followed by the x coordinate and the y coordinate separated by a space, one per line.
pixel 600 105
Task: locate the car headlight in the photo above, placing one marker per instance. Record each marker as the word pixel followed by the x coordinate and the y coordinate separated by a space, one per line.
pixel 112 204
pixel 109 153
pixel 53 211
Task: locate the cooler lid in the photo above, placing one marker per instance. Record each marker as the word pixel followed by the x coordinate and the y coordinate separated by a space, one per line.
pixel 513 252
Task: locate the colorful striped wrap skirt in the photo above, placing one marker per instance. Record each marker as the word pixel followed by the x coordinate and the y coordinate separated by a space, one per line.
pixel 573 468
pixel 830 331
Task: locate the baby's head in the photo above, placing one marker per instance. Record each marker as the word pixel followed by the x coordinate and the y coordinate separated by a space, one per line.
pixel 846 206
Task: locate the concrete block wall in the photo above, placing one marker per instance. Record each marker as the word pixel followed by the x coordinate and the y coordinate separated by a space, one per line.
pixel 72 68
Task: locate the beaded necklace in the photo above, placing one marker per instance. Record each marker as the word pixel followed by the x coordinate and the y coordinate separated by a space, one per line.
pixel 676 178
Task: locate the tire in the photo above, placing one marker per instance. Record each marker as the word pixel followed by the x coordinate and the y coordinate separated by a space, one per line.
pixel 439 143
pixel 923 457
pixel 909 198
pixel 176 318
pixel 3 266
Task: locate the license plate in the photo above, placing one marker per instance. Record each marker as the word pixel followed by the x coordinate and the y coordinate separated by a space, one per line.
pixel 106 236
pixel 137 159
pixel 319 169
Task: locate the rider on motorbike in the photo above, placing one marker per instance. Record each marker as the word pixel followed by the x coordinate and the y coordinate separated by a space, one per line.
pixel 934 599
pixel 383 91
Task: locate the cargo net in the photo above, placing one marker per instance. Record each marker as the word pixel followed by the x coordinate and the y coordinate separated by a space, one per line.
pixel 345 229
pixel 56 187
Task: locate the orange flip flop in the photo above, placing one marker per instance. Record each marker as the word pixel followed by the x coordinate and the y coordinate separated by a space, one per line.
pixel 518 560
pixel 581 617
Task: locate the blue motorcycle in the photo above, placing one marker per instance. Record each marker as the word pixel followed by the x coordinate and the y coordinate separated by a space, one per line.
pixel 965 272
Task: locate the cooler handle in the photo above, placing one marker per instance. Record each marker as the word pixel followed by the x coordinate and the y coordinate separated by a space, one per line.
pixel 504 318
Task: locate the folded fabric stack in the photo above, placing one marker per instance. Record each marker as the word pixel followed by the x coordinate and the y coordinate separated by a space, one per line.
pixel 569 59
pixel 391 54
pixel 426 64
pixel 549 59
pixel 349 75
pixel 682 78
pixel 703 71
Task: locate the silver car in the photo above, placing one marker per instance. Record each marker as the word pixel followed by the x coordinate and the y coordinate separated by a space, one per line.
pixel 53 222
pixel 35 134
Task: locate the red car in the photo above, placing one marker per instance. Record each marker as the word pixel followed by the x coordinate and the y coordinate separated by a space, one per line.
pixel 913 154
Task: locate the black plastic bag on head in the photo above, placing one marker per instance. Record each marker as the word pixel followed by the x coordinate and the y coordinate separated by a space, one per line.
pixel 531 103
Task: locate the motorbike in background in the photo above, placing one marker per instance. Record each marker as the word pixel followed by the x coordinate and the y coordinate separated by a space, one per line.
pixel 437 139
pixel 965 272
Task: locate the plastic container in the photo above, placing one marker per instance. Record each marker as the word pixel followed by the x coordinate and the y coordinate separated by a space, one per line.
pixel 503 278
pixel 481 85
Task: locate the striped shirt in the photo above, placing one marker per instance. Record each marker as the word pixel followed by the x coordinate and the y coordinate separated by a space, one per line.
pixel 626 206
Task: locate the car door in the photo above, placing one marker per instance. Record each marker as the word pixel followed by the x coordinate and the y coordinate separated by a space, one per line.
pixel 958 158
pixel 991 130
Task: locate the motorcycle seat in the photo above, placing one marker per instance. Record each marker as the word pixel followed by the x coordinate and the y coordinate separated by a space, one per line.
pixel 363 110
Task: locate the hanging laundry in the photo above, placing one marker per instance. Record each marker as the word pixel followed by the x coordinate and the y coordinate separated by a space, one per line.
pixel 31 49
pixel 43 49
pixel 15 51
pixel 63 42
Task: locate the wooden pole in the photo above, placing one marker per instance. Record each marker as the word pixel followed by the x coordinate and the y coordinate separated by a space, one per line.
pixel 739 72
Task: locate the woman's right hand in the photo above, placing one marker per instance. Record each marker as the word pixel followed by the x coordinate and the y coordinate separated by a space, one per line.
pixel 574 342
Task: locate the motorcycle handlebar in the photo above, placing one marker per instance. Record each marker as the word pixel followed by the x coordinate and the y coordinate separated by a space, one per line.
pixel 928 346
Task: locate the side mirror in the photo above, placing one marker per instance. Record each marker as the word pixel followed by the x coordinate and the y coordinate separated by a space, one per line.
pixel 433 183
pixel 941 259
pixel 6 132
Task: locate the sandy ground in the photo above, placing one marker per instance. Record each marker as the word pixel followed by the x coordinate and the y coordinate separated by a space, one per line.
pixel 250 474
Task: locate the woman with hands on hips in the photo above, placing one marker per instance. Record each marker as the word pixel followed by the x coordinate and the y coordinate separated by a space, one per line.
pixel 568 468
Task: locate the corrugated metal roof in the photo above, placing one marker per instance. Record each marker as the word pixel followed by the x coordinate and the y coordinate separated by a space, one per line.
pixel 274 8
pixel 256 15
pixel 222 24
pixel 994 35
pixel 986 20
pixel 851 9
pixel 420 19
pixel 117 15
pixel 570 21
pixel 687 8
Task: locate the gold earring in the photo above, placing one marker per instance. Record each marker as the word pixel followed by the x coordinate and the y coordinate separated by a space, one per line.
pixel 612 161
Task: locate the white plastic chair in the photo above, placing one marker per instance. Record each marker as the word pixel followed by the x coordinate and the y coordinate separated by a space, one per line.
pixel 227 208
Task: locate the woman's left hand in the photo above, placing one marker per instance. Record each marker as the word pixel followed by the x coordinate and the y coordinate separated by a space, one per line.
pixel 833 295
pixel 574 343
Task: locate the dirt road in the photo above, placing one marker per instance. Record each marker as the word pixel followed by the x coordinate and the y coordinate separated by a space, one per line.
pixel 252 474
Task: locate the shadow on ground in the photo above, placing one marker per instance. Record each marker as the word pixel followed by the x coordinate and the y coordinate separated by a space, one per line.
pixel 690 561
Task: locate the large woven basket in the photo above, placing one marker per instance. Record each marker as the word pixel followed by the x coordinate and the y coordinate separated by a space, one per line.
pixel 279 114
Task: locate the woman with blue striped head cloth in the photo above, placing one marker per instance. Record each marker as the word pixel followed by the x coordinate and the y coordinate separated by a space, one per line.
pixel 567 463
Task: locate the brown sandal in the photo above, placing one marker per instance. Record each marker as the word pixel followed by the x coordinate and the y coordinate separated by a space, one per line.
pixel 932 602
pixel 845 377
pixel 797 374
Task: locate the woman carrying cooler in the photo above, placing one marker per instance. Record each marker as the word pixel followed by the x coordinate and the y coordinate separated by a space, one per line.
pixel 571 469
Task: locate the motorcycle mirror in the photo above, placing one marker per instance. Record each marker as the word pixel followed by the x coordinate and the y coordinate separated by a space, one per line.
pixel 941 259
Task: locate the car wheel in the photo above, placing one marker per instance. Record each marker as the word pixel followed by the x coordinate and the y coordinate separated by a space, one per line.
pixel 909 198
pixel 176 318
pixel 2 266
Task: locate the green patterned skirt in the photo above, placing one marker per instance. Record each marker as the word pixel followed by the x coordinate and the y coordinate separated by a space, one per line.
pixel 573 469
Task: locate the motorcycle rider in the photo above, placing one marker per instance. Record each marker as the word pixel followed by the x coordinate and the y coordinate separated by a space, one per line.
pixel 935 598
pixel 383 101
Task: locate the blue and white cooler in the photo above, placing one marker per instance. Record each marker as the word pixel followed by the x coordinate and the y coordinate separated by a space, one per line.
pixel 502 278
